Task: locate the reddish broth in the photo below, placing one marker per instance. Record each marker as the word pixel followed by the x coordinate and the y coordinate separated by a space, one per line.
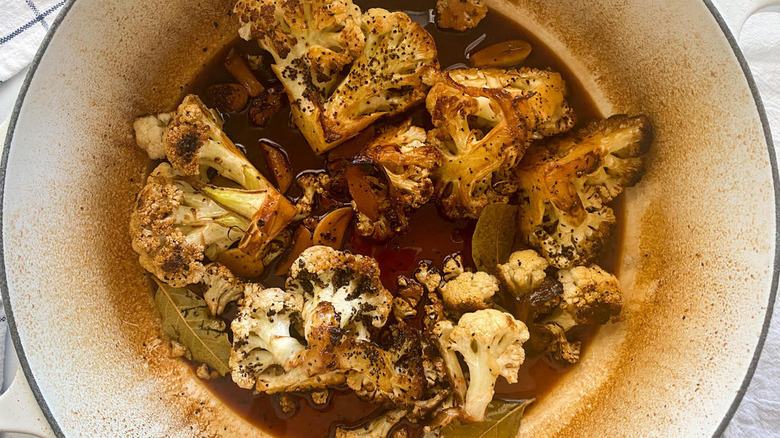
pixel 431 237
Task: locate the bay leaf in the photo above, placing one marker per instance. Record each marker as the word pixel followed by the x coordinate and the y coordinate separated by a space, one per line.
pixel 494 236
pixel 502 420
pixel 186 319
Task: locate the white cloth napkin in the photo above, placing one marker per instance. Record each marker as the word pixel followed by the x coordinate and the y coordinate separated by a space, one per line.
pixel 23 23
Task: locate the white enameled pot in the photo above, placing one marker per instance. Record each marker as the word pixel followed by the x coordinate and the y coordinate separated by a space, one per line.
pixel 699 253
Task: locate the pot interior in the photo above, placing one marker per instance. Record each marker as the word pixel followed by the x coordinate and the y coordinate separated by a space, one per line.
pixel 697 254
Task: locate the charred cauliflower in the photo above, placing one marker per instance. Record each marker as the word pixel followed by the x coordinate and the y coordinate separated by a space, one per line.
pixel 269 318
pixel 350 283
pixel 460 14
pixel 331 299
pixel 524 271
pixel 179 220
pixel 483 122
pixel 559 300
pixel 393 73
pixel 393 62
pixel 174 226
pixel 591 295
pixel 491 344
pixel 221 287
pixel 191 138
pixel 567 182
pixel 390 178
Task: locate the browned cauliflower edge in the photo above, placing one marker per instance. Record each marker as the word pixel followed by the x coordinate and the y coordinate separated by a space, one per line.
pixel 567 182
pixel 484 120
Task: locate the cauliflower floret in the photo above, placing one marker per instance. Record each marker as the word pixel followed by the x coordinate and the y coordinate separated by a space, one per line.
pixel 556 343
pixel 591 295
pixel 452 267
pixel 469 291
pixel 174 225
pixel 194 141
pixel 313 186
pixel 393 73
pixel 377 428
pixel 566 183
pixel 460 14
pixel 149 132
pixel 392 375
pixel 263 346
pixel 409 293
pixel 221 287
pixel 491 344
pixel 393 63
pixel 483 122
pixel 311 41
pixel 350 283
pixel 390 178
pixel 524 271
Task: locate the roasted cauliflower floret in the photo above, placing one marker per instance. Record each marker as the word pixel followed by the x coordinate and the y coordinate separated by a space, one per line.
pixel 263 345
pixel 174 225
pixel 313 185
pixel 524 271
pixel 567 182
pixel 378 427
pixel 483 122
pixel 390 178
pixel 311 41
pixel 563 300
pixel 393 73
pixel 469 291
pixel 591 295
pixel 221 287
pixel 392 375
pixel 350 283
pixel 460 14
pixel 556 344
pixel 194 141
pixel 393 62
pixel 491 344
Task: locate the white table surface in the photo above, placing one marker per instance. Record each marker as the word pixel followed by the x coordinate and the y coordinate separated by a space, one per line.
pixel 761 405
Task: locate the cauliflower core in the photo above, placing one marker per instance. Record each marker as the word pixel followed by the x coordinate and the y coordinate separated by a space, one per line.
pixel 567 182
pixel 393 60
pixel 484 119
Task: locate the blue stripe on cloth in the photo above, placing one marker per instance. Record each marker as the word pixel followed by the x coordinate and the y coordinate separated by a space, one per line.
pixel 37 14
pixel 31 23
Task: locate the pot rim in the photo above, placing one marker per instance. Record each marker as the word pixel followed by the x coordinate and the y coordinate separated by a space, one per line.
pixel 25 366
